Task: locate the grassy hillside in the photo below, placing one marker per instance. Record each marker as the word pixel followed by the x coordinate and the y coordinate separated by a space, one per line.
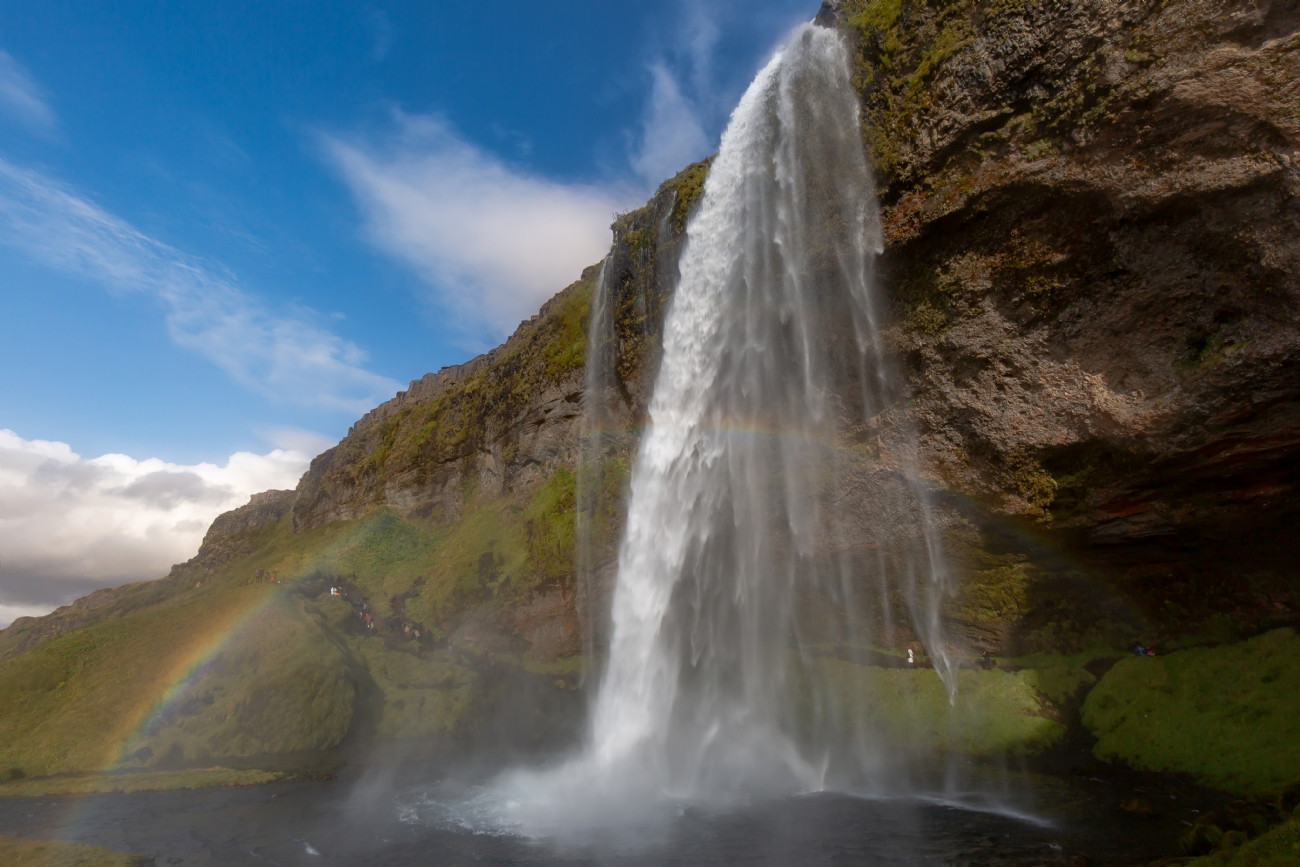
pixel 233 671
pixel 1226 714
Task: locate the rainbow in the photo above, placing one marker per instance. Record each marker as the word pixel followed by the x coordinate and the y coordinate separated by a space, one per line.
pixel 189 663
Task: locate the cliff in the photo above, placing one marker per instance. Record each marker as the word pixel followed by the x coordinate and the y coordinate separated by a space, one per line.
pixel 1090 212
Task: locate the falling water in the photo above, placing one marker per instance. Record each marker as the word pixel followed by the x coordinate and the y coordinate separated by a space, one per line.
pixel 764 519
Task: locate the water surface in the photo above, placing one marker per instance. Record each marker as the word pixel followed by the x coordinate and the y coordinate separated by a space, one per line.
pixel 390 813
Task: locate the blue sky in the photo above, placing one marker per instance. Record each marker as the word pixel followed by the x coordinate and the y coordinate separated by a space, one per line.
pixel 230 228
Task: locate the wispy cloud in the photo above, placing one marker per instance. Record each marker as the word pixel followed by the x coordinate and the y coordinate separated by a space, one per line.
pixel 684 107
pixel 22 98
pixel 287 358
pixel 492 242
pixel 68 524
pixel 673 133
pixel 381 33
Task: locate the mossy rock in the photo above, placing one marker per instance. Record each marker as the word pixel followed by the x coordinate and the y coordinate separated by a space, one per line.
pixel 1280 847
pixel 423 697
pixel 1227 715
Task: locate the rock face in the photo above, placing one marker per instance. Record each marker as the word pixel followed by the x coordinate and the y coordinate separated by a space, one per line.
pixel 1091 216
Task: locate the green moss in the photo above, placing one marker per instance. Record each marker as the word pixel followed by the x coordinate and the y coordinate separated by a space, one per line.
pixel 1038 149
pixel 1225 714
pixel 423 697
pixel 17 852
pixel 1138 57
pixel 924 301
pixel 995 712
pixel 1075 478
pixel 1204 349
pixel 561 667
pixel 1034 484
pixel 877 16
pixel 926 319
pixel 383 554
pixel 1280 847
pixel 549 523
pixel 1056 677
pixel 483 557
pixel 688 186
pixel 565 349
pixel 994 595
pixel 1079 102
pixel 954 35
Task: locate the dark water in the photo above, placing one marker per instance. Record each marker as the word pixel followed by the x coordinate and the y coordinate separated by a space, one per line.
pixel 410 814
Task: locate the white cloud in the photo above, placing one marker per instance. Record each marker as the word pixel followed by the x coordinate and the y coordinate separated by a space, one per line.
pixel 672 133
pixel 492 242
pixel 68 523
pixel 295 439
pixel 22 98
pixel 10 613
pixel 701 33
pixel 685 110
pixel 286 358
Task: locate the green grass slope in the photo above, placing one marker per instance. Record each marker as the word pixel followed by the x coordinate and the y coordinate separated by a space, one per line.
pixel 994 712
pixel 1229 715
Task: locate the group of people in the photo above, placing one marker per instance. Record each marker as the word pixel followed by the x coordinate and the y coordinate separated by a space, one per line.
pixel 368 620
pixel 1143 650
pixel 266 575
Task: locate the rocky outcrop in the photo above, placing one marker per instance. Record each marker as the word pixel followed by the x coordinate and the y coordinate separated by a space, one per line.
pixel 485 423
pixel 428 387
pixel 236 534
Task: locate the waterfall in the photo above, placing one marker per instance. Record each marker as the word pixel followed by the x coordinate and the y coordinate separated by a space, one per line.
pixel 745 550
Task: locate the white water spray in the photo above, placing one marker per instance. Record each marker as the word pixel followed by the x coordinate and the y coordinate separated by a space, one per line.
pixel 771 359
